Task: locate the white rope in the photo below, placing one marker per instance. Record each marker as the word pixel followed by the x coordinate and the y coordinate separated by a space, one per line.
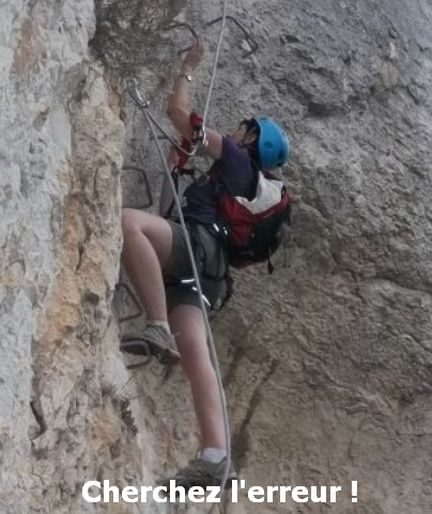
pixel 215 62
pixel 210 338
pixel 211 345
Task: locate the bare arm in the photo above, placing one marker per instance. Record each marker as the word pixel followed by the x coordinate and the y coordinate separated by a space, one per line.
pixel 178 109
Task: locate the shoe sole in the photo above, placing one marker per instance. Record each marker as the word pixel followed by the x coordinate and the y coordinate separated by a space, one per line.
pixel 137 346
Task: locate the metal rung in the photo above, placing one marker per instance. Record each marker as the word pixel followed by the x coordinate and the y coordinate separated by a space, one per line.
pixel 122 285
pixel 247 35
pixel 174 26
pixel 142 172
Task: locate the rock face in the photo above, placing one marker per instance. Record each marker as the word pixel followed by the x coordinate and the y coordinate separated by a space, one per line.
pixel 328 372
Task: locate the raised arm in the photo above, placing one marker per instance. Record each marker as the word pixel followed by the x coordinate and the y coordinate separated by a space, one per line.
pixel 178 109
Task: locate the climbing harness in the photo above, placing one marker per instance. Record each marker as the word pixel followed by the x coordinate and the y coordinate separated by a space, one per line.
pixel 214 271
pixel 187 149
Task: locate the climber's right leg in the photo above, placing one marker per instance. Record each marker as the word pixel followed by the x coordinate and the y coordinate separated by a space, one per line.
pixel 146 249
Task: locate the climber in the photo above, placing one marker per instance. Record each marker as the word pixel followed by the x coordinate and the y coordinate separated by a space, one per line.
pixel 156 260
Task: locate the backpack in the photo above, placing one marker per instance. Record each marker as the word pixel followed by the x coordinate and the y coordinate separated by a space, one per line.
pixel 255 226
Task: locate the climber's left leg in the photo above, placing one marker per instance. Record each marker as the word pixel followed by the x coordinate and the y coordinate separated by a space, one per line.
pixel 147 247
pixel 208 470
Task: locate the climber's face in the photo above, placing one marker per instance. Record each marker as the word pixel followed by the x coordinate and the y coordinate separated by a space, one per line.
pixel 239 134
pixel 245 133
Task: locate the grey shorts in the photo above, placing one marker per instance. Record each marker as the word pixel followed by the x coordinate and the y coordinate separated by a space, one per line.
pixel 212 266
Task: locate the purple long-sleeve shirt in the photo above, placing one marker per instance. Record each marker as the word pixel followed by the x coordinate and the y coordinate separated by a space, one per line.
pixel 232 171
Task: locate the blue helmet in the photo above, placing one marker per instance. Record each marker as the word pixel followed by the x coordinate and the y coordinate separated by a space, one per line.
pixel 273 144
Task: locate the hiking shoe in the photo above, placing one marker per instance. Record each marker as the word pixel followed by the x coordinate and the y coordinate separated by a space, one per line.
pixel 156 341
pixel 202 473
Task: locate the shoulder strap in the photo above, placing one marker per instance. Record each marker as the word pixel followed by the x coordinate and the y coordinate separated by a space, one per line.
pixel 255 184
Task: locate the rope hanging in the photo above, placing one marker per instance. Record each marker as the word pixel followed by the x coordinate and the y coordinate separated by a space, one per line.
pixel 143 105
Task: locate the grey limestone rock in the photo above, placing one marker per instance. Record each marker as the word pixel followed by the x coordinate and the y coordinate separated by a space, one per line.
pixel 327 363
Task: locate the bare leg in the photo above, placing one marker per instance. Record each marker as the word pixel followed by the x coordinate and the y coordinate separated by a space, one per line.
pixel 146 249
pixel 187 321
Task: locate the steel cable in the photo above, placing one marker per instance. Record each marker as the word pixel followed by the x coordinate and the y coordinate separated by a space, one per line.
pixel 215 62
pixel 210 339
pixel 143 105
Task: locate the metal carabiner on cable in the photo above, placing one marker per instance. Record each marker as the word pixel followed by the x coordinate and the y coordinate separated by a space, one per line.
pixel 135 93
